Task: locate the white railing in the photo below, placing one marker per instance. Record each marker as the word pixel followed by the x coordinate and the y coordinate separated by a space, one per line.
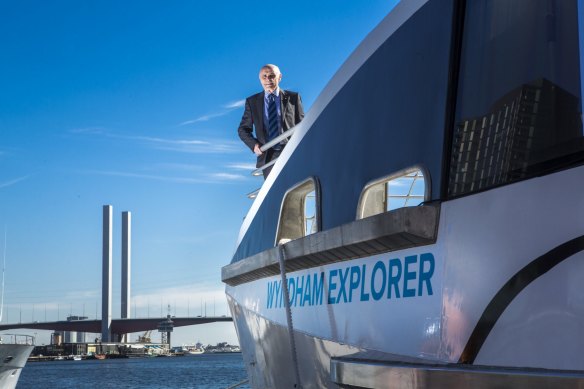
pixel 260 171
pixel 17 339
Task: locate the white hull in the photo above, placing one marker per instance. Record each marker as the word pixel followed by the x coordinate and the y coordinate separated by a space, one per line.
pixel 434 328
pixel 13 358
pixel 480 284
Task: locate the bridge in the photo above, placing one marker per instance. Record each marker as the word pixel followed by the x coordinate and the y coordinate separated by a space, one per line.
pixel 119 327
pixel 109 328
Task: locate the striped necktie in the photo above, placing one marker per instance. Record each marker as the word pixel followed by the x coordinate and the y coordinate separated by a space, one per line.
pixel 273 125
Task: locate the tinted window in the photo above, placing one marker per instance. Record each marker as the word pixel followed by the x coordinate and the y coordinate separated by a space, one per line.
pixel 519 108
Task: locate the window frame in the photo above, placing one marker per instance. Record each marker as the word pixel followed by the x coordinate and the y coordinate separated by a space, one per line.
pixel 289 213
pixel 385 179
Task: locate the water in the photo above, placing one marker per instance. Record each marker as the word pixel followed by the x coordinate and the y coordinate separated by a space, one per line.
pixel 199 371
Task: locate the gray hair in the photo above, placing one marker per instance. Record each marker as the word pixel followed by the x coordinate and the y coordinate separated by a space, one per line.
pixel 273 67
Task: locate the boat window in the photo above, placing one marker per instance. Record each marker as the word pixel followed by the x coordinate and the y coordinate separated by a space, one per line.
pixel 299 214
pixel 310 213
pixel 407 188
pixel 519 104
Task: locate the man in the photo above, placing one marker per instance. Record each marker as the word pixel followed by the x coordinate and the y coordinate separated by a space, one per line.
pixel 271 112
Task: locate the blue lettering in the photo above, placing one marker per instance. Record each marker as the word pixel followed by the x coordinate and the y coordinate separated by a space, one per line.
pixel 379 266
pixel 306 298
pixel 332 286
pixel 279 293
pixel 364 296
pixel 271 287
pixel 317 289
pixel 299 286
pixel 426 276
pixel 394 279
pixel 409 275
pixel 397 278
pixel 343 283
pixel 291 294
pixel 354 282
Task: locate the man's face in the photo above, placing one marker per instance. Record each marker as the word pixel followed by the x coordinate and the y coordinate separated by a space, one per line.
pixel 269 79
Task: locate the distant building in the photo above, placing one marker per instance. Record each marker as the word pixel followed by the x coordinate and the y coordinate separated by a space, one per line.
pixel 73 336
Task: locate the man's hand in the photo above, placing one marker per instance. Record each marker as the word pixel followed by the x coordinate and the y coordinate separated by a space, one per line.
pixel 256 150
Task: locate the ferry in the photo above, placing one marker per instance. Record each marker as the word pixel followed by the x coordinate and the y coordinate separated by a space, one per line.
pixel 196 349
pixel 424 225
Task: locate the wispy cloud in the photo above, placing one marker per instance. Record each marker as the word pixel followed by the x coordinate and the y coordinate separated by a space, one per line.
pixel 89 294
pixel 242 166
pixel 177 180
pixel 228 176
pixel 183 297
pixel 199 146
pixel 12 182
pixel 181 142
pixel 210 178
pixel 236 104
pixel 204 118
pixel 168 144
pixel 180 166
pixel 227 108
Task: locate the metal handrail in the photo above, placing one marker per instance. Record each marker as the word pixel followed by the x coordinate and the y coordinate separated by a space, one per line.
pixel 259 171
pixel 277 140
pixel 18 339
pixel 254 194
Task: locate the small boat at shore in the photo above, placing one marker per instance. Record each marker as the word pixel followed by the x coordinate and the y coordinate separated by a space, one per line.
pixel 196 349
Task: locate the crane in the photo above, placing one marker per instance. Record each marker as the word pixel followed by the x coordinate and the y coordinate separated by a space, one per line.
pixel 145 338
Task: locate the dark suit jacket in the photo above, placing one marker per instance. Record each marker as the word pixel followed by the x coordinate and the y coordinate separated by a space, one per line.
pixel 253 115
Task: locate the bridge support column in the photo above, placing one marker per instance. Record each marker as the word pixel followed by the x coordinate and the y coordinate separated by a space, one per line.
pixel 106 276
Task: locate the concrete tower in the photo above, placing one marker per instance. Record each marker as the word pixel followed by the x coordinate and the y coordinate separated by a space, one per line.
pixel 126 265
pixel 106 284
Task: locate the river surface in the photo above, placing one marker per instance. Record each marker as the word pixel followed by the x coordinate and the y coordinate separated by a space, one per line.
pixel 198 371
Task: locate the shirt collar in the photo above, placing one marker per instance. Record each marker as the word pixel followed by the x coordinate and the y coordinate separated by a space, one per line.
pixel 276 92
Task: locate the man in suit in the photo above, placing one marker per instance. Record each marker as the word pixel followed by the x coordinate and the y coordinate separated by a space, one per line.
pixel 271 112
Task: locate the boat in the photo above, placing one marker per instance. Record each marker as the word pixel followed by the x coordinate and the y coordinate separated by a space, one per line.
pixel 187 349
pixel 222 348
pixel 423 227
pixel 14 348
pixel 13 356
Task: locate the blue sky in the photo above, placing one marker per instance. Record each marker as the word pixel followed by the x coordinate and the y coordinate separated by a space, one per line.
pixel 136 104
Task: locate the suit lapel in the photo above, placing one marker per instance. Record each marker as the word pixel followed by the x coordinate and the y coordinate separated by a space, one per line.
pixel 283 107
pixel 259 107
